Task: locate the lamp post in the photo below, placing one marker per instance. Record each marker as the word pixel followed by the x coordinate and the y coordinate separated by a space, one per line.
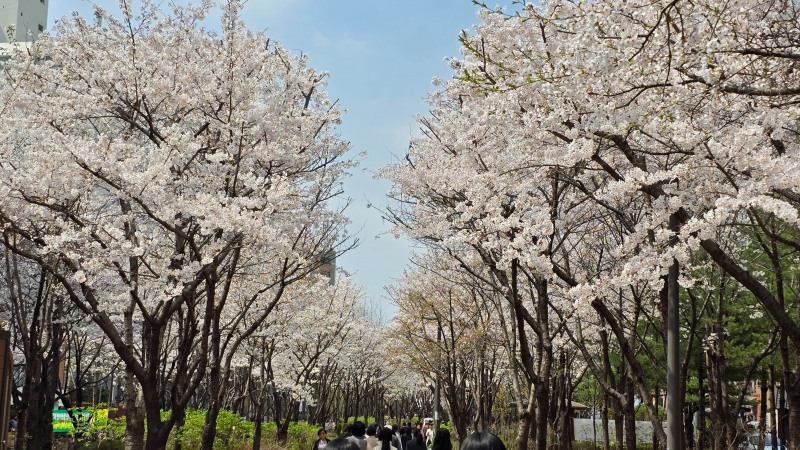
pixel 674 441
pixel 5 385
pixel 438 387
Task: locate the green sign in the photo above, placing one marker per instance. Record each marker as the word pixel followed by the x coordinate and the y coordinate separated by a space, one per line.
pixel 62 422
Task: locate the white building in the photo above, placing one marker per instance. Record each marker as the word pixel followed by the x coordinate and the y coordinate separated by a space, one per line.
pixel 27 18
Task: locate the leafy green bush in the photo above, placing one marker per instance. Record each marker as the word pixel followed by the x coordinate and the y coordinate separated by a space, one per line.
pixel 301 436
pixel 109 435
pixel 367 420
pixel 233 433
pixel 106 444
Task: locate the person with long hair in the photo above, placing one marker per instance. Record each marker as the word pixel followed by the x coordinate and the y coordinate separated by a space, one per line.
pixel 416 442
pixel 441 441
pixel 481 440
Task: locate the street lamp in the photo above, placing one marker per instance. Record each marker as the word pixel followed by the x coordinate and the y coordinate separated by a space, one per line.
pixel 674 422
pixel 5 383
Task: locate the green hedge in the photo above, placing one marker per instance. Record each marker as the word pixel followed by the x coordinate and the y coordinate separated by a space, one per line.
pixel 233 433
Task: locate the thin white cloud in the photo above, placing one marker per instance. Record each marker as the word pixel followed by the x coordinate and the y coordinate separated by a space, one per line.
pixel 344 45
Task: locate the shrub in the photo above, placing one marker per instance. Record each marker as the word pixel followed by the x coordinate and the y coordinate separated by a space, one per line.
pixel 233 433
pixel 301 436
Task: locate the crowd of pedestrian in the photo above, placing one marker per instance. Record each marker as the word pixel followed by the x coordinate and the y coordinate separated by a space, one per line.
pixel 358 436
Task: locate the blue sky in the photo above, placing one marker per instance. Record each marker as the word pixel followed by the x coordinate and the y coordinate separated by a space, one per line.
pixel 381 55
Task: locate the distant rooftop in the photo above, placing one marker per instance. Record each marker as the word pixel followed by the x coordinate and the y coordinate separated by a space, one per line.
pixel 23 20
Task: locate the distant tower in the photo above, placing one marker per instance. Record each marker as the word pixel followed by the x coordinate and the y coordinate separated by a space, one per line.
pixel 328 266
pixel 25 16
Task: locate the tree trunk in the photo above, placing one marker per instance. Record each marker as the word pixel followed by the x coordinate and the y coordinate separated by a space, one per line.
pixel 210 427
pixel 40 412
pixel 619 424
pixel 134 413
pixel 604 422
pixel 718 420
pixel 283 428
pixel 259 419
pixel 630 418
pixel 212 413
pixel 542 407
pixel 179 424
pixel 34 438
pixel 524 424
pixel 32 365
pixel 793 436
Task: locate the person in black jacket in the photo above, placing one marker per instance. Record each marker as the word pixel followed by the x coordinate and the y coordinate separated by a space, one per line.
pixel 442 440
pixel 416 442
pixel 322 440
pixel 405 436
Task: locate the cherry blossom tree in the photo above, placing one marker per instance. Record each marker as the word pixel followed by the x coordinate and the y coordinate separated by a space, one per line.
pixel 37 315
pixel 639 132
pixel 317 328
pixel 163 174
pixel 444 329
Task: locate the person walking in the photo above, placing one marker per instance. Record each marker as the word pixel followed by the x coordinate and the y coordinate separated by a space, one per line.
pixel 358 437
pixel 405 436
pixel 396 439
pixel 428 434
pixel 385 436
pixel 441 441
pixel 372 436
pixel 416 442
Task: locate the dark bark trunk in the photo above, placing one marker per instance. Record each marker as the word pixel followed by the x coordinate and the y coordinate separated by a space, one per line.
pixel 542 407
pixel 630 418
pixel 40 414
pixel 701 432
pixel 655 436
pixel 715 404
pixel 619 424
pixel 179 424
pixel 793 437
pixel 27 401
pixel 283 428
pixel 524 424
pixel 212 413
pixel 604 422
pixel 545 364
pixel 210 427
pixel 259 419
pixel 636 371
pixel 34 438
pixel 134 414
pixel 157 430
pixel 29 431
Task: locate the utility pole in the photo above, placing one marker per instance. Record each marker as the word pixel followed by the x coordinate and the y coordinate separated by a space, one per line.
pixel 437 387
pixel 674 416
